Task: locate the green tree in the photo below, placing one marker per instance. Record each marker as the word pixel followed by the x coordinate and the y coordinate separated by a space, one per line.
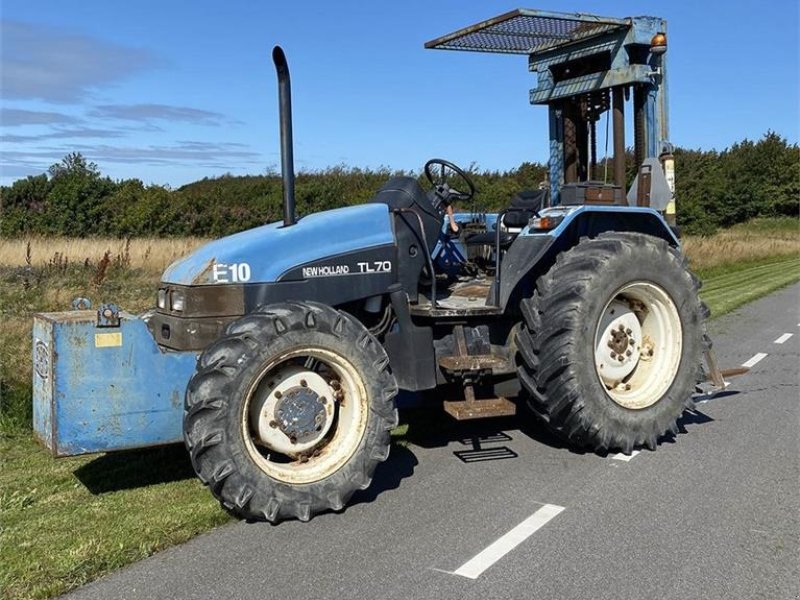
pixel 76 200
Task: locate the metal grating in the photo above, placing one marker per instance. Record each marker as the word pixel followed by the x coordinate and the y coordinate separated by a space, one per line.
pixel 524 31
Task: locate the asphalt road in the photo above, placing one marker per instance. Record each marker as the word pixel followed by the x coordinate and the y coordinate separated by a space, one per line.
pixel 714 513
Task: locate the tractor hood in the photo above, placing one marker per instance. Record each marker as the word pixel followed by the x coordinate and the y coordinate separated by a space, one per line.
pixel 264 254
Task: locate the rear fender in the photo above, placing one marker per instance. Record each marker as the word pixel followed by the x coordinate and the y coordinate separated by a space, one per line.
pixel 533 252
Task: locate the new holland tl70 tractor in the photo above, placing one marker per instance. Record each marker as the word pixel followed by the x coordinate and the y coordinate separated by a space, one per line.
pixel 277 353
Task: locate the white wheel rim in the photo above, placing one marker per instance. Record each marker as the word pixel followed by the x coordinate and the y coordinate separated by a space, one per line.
pixel 342 423
pixel 637 345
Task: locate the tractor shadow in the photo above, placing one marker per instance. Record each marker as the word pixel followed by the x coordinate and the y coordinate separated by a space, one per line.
pixel 475 441
pixel 431 428
pixel 388 475
pixel 131 469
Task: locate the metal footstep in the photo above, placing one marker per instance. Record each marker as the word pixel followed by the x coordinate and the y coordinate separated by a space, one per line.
pixel 468 367
pixel 463 410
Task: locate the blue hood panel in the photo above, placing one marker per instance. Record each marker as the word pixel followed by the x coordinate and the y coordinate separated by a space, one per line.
pixel 271 250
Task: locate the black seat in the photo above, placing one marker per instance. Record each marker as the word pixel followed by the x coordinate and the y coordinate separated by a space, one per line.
pixel 406 193
pixel 405 196
pixel 524 205
pixel 489 238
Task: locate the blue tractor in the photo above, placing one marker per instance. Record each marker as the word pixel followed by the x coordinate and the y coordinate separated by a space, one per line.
pixel 277 353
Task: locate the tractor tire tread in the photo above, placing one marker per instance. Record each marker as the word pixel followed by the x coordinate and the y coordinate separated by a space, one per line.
pixel 218 457
pixel 559 391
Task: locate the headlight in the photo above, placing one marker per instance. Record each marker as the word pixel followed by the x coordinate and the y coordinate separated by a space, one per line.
pixel 178 300
pixel 548 222
pixel 162 298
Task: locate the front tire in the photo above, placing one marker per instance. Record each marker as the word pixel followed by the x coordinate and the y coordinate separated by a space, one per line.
pixel 611 341
pixel 289 412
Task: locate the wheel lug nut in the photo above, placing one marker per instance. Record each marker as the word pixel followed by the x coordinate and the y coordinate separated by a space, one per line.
pixel 278 394
pixel 304 383
pixel 613 355
pixel 620 358
pixel 627 387
pixel 633 342
pixel 273 424
pixel 621 327
pixel 628 331
pixel 610 344
pixel 628 353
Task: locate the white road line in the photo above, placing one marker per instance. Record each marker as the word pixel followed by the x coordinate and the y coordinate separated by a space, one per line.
pixel 473 568
pixel 783 338
pixel 755 360
pixel 625 457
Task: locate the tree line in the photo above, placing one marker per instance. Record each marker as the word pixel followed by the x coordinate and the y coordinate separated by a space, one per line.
pixel 713 189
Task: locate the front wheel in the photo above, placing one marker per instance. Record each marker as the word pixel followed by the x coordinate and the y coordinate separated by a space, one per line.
pixel 611 341
pixel 289 412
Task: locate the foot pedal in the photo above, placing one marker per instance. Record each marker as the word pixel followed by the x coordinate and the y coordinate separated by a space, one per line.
pixel 463 410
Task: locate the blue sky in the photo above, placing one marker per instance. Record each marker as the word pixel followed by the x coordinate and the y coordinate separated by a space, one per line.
pixel 170 92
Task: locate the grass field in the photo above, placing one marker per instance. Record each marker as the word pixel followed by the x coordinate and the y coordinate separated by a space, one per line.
pixel 64 522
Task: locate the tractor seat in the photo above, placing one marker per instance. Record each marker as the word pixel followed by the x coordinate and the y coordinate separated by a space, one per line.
pixel 524 205
pixel 405 193
pixel 488 238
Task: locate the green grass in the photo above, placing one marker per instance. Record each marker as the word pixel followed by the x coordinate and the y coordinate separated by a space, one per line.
pixel 64 522
pixel 728 287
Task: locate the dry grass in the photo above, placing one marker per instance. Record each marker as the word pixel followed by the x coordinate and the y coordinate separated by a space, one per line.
pixel 743 244
pixel 150 254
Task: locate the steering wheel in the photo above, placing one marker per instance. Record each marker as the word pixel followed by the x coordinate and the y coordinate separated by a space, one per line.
pixel 443 190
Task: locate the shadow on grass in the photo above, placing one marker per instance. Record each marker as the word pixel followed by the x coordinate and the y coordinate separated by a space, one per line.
pixel 130 469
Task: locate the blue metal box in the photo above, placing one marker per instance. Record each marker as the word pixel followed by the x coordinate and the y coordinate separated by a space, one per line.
pixel 97 389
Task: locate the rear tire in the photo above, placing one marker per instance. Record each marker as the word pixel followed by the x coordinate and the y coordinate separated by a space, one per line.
pixel 289 412
pixel 599 370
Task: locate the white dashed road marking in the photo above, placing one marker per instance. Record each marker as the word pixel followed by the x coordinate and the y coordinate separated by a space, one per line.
pixel 473 568
pixel 755 360
pixel 783 338
pixel 625 457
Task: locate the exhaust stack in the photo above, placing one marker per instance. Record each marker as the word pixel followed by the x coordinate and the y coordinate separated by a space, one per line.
pixel 287 154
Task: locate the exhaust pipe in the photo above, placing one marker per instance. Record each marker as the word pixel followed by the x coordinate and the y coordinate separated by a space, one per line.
pixel 287 154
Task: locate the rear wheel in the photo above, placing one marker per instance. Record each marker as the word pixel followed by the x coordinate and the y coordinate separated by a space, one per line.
pixel 289 413
pixel 611 341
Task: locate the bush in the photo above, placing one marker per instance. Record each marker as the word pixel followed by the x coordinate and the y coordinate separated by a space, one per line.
pixel 714 189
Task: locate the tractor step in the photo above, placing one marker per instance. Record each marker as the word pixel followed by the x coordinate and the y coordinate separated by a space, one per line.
pixel 463 410
pixel 472 362
pixel 465 366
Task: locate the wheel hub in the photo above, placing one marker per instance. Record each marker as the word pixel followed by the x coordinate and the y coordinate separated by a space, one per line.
pixel 293 411
pixel 638 345
pixel 619 344
pixel 301 414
